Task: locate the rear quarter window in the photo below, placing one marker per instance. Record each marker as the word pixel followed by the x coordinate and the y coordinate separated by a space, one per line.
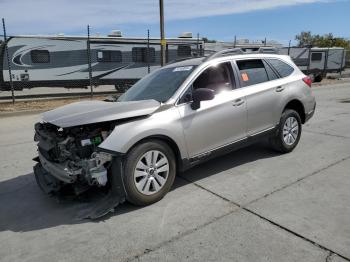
pixel 281 67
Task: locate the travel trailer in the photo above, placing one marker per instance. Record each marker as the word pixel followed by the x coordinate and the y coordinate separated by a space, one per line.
pixel 317 61
pixel 314 61
pixel 62 61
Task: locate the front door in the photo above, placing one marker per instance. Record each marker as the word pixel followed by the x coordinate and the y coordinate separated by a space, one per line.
pixel 218 122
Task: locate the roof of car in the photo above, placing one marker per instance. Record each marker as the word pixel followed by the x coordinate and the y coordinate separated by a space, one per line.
pixel 187 62
pixel 200 60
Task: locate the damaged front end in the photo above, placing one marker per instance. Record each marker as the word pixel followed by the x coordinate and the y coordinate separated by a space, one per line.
pixel 70 162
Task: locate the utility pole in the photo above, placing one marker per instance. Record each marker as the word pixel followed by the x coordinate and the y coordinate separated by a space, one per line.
pixel 162 37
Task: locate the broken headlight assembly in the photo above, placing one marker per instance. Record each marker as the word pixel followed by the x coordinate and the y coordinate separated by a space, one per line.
pixel 71 156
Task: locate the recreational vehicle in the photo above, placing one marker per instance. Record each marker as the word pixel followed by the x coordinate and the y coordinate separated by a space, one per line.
pixel 62 61
pixel 317 61
pixel 313 61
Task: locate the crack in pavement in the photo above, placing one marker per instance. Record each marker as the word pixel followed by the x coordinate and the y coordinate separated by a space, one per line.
pixel 183 234
pixel 329 257
pixel 325 134
pixel 300 179
pixel 245 208
pixel 16 144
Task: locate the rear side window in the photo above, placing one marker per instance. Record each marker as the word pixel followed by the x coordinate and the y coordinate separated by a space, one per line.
pixel 109 56
pixel 282 68
pixel 143 54
pixel 252 72
pixel 40 56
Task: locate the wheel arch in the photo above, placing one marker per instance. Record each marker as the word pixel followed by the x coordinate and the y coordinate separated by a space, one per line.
pixel 298 106
pixel 170 142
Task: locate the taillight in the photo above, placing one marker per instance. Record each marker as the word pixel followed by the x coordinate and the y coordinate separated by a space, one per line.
pixel 307 80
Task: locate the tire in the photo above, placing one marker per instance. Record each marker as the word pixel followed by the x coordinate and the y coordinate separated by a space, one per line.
pixel 318 78
pixel 286 139
pixel 145 177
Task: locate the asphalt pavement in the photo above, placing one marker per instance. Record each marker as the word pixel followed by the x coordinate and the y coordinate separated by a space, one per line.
pixel 250 205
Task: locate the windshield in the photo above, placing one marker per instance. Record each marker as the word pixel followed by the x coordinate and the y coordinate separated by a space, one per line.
pixel 160 85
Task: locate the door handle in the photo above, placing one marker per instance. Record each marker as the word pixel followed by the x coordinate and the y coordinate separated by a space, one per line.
pixel 238 102
pixel 279 89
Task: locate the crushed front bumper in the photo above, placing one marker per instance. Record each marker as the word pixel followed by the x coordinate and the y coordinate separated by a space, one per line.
pixel 59 171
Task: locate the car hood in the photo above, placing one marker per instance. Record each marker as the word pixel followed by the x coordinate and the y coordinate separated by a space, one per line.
pixel 89 112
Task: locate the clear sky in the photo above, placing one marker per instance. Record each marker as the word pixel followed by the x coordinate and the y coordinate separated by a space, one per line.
pixel 216 19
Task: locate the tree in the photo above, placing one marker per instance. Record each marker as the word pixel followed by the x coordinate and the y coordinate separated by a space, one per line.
pixel 328 40
pixel 304 39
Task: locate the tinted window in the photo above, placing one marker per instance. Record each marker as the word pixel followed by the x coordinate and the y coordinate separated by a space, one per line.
pixel 270 73
pixel 252 72
pixel 316 56
pixel 143 54
pixel 282 68
pixel 109 56
pixel 184 50
pixel 40 56
pixel 159 85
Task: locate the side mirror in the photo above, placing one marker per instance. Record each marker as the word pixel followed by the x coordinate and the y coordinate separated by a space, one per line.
pixel 201 94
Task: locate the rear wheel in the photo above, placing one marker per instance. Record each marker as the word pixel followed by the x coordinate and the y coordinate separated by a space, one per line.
pixel 289 131
pixel 318 78
pixel 149 172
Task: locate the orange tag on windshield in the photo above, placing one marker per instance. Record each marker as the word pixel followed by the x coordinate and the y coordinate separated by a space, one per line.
pixel 245 77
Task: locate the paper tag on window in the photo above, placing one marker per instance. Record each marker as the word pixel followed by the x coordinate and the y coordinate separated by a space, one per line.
pixel 183 68
pixel 245 77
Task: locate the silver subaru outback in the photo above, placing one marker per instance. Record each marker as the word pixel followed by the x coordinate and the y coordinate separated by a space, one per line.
pixel 171 120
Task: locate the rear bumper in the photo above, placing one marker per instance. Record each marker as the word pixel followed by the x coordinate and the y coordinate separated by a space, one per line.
pixel 310 114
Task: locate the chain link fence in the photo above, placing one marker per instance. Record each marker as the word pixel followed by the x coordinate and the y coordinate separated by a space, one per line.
pixel 92 64
pixel 88 64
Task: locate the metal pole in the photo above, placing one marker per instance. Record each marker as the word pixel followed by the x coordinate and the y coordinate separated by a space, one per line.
pixel 309 61
pixel 8 61
pixel 148 56
pixel 197 45
pixel 341 63
pixel 265 42
pixel 89 61
pixel 289 46
pixel 162 35
pixel 234 43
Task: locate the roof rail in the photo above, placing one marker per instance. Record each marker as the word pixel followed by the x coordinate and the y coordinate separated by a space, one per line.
pixel 230 51
pixel 180 59
pixel 268 50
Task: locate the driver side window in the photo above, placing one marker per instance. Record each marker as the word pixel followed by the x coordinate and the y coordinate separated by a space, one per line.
pixel 218 78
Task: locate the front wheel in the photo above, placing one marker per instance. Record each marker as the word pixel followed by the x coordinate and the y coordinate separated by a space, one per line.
pixel 288 134
pixel 149 172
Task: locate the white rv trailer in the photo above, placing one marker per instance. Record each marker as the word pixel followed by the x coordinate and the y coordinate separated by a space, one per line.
pixel 62 61
pixel 317 61
pixel 314 61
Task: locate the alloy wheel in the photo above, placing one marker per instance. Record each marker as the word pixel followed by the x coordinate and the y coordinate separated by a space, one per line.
pixel 151 172
pixel 290 130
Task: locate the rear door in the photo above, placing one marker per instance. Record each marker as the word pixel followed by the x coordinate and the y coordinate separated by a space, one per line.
pixel 262 90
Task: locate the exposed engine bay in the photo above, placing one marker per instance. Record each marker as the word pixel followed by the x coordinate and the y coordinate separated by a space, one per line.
pixel 70 155
pixel 69 161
